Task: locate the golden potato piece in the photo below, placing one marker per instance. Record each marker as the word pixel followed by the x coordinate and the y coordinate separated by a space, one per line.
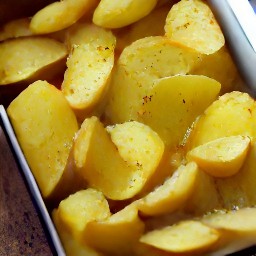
pixel 116 14
pixel 237 229
pixel 59 15
pixel 118 234
pixel 173 104
pixel 71 245
pixel 77 210
pixel 15 28
pixel 98 159
pixel 172 194
pixel 222 157
pixel 192 23
pixel 139 65
pixel 232 114
pixel 137 144
pixel 29 58
pixel 240 220
pixel 183 237
pixel 45 126
pixel 89 68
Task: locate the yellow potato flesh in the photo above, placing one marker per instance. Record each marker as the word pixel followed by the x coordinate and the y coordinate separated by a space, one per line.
pixel 15 28
pixel 173 104
pixel 192 23
pixel 172 194
pixel 22 58
pixel 232 114
pixel 60 15
pixel 222 157
pixel 71 244
pixel 45 126
pixel 138 66
pixel 137 144
pixel 100 163
pixel 118 234
pixel 183 237
pixel 88 70
pixel 240 220
pixel 237 229
pixel 80 208
pixel 116 14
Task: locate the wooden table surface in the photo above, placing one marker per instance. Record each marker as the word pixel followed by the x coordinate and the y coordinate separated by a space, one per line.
pixel 21 231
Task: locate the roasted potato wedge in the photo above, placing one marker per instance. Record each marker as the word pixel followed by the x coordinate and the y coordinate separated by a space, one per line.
pixel 170 196
pixel 192 23
pixel 71 245
pixel 29 58
pixel 231 115
pixel 237 229
pixel 45 127
pixel 118 234
pixel 222 157
pixel 97 158
pixel 116 14
pixel 184 237
pixel 80 208
pixel 59 15
pixel 89 68
pixel 73 215
pixel 15 28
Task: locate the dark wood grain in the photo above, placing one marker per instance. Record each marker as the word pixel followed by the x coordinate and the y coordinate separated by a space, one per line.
pixel 21 231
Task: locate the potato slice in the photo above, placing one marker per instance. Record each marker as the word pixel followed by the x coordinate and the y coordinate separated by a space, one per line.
pixel 192 23
pixel 118 234
pixel 45 126
pixel 137 144
pixel 59 15
pixel 116 14
pixel 237 229
pixel 89 68
pixel 222 157
pixel 139 65
pixel 173 104
pixel 99 162
pixel 172 194
pixel 71 245
pixel 29 58
pixel 15 28
pixel 232 114
pixel 186 236
pixel 77 210
pixel 240 220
